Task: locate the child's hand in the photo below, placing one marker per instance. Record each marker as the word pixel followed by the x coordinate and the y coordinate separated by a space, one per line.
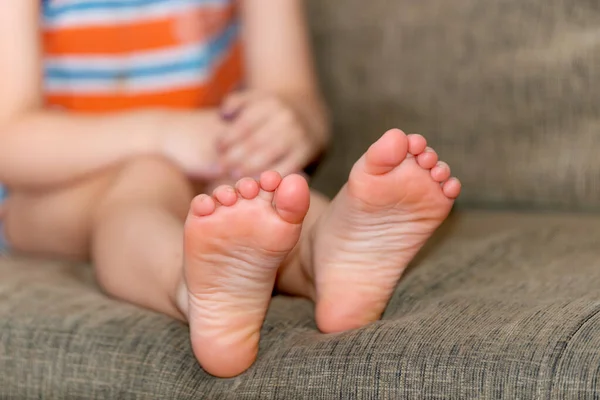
pixel 189 139
pixel 266 133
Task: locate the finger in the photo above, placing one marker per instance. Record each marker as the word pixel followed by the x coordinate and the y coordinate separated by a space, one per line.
pixel 290 164
pixel 263 159
pixel 278 137
pixel 239 151
pixel 271 143
pixel 248 122
pixel 247 155
pixel 236 157
pixel 235 102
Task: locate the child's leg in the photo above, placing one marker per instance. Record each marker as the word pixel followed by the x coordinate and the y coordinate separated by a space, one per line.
pixel 128 220
pixel 132 220
pixel 348 261
pixel 137 235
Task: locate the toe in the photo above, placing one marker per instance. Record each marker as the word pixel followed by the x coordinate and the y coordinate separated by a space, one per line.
pixel 202 205
pixel 225 195
pixel 387 153
pixel 292 199
pixel 270 180
pixel 452 188
pixel 247 188
pixel 441 172
pixel 416 144
pixel 428 158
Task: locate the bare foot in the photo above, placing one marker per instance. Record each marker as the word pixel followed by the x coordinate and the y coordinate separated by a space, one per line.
pixel 397 195
pixel 234 243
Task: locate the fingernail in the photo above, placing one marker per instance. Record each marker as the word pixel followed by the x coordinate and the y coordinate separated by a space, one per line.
pixel 227 115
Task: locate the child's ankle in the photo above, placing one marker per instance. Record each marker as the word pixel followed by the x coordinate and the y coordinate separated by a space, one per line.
pixel 181 300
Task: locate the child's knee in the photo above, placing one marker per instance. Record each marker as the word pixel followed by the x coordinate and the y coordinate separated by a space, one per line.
pixel 149 181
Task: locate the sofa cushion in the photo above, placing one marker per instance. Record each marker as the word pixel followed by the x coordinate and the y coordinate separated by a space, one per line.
pixel 507 92
pixel 502 305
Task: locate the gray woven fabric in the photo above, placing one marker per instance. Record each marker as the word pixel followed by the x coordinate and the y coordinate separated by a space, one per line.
pixel 506 90
pixel 504 307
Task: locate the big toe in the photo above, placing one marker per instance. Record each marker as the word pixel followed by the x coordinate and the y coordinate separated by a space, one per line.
pixel 387 153
pixel 292 199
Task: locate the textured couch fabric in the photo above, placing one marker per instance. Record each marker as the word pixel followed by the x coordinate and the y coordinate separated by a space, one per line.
pixel 506 90
pixel 500 305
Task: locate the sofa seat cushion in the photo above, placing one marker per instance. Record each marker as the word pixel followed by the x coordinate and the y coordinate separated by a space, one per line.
pixel 499 305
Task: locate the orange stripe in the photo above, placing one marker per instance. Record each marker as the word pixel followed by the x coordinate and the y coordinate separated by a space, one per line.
pixel 226 77
pixel 183 28
pixel 182 99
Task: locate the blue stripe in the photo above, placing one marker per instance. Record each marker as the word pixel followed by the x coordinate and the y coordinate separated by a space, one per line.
pixel 198 62
pixel 51 11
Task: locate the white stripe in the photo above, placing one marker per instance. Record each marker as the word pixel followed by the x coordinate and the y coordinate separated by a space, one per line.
pixel 59 86
pixel 127 87
pixel 171 82
pixel 132 60
pixel 134 86
pixel 76 2
pixel 117 16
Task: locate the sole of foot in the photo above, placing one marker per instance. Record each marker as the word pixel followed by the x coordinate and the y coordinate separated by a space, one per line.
pixel 397 195
pixel 235 241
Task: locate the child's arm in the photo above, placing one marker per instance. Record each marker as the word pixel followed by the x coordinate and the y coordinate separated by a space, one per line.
pixel 40 147
pixel 44 148
pixel 281 121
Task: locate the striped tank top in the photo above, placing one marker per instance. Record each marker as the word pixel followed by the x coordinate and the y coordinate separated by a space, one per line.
pixel 115 55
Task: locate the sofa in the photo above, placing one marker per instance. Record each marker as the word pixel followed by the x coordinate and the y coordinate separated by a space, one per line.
pixel 504 300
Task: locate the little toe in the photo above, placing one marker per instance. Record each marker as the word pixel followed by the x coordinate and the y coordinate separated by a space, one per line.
pixel 248 188
pixel 225 195
pixel 292 199
pixel 452 188
pixel 428 158
pixel 202 205
pixel 441 172
pixel 416 144
pixel 270 180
